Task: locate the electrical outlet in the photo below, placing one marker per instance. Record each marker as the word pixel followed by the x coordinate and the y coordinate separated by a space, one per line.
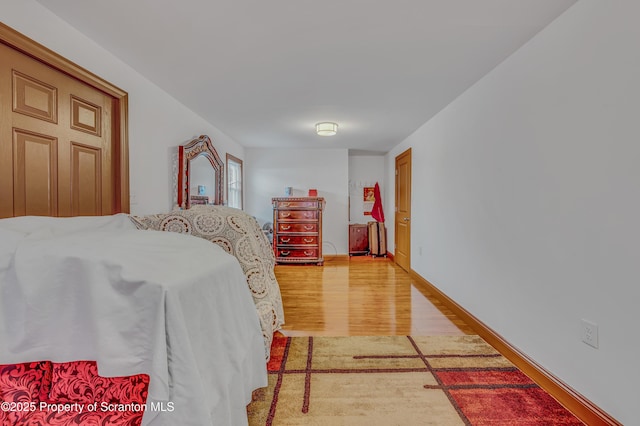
pixel 420 250
pixel 589 333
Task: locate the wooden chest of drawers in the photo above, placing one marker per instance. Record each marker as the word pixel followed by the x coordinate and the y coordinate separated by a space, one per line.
pixel 297 229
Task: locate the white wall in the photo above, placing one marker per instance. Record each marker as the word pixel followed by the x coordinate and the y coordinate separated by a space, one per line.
pixel 157 122
pixel 364 170
pixel 269 171
pixel 526 200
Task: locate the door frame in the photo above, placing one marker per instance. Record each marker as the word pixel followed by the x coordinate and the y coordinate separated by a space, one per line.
pixel 120 129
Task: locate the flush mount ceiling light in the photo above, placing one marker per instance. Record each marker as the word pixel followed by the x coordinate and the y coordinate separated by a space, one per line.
pixel 326 129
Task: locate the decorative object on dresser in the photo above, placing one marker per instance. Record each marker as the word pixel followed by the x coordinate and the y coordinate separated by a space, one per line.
pixel 358 239
pixel 199 199
pixel 297 229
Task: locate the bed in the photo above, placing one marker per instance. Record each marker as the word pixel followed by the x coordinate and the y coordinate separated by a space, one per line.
pixel 196 317
pixel 240 235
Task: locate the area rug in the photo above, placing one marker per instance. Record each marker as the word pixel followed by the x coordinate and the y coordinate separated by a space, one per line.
pixel 398 380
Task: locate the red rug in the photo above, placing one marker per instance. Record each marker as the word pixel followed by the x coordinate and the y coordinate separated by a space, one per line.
pixel 404 380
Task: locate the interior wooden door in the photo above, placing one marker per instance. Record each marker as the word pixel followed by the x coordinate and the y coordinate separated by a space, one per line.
pixel 402 253
pixel 56 142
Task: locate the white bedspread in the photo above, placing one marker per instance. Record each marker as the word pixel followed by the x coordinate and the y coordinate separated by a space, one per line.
pixel 173 306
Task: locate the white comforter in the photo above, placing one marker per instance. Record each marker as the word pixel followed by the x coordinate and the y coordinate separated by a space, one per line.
pixel 173 306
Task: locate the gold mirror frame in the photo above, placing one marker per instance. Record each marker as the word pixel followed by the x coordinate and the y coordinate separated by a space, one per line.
pixel 187 152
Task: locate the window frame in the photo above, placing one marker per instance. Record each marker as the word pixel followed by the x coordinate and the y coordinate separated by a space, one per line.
pixel 233 159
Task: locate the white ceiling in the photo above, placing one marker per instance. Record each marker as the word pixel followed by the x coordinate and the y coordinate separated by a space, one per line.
pixel 265 71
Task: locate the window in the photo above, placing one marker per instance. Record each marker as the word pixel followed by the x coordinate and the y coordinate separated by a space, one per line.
pixel 234 182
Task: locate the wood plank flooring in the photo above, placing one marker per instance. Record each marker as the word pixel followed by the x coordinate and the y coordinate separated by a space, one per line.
pixel 360 296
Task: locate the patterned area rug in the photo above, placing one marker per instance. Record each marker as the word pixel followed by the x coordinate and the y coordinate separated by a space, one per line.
pixel 398 380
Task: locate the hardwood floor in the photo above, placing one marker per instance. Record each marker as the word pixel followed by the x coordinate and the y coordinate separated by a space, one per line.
pixel 365 296
pixel 360 296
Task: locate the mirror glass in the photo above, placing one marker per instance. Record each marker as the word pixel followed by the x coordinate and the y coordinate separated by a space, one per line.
pixel 202 180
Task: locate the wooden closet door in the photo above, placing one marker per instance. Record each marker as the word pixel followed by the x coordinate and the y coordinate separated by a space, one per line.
pixel 55 142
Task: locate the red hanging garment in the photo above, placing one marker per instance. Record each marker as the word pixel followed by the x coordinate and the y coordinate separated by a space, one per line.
pixel 377 212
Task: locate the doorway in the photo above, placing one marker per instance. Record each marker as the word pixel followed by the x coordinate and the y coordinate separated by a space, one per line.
pixel 403 211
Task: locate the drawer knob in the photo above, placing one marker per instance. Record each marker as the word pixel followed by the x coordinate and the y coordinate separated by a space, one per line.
pixel 285 214
pixel 308 253
pixel 308 227
pixel 285 240
pixel 307 240
pixel 285 228
pixel 285 253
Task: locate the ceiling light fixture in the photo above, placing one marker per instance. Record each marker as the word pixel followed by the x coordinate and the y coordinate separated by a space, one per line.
pixel 326 129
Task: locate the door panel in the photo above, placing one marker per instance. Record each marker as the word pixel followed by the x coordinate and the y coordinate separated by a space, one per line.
pixel 403 211
pixel 34 98
pixel 85 116
pixel 86 181
pixel 35 174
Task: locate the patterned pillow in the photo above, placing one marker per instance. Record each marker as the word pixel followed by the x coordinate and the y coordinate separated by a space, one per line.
pixel 74 418
pixel 127 390
pixel 26 382
pixel 73 382
pixel 79 382
pixel 76 382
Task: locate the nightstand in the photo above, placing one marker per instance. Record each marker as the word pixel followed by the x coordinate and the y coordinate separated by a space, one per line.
pixel 358 239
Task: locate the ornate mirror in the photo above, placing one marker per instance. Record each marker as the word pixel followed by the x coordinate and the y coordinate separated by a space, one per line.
pixel 200 174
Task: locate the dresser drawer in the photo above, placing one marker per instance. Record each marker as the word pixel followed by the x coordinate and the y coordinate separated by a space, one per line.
pixel 297 253
pixel 298 214
pixel 291 204
pixel 297 239
pixel 297 227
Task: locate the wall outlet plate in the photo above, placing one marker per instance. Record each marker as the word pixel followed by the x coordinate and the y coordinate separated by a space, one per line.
pixel 589 333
